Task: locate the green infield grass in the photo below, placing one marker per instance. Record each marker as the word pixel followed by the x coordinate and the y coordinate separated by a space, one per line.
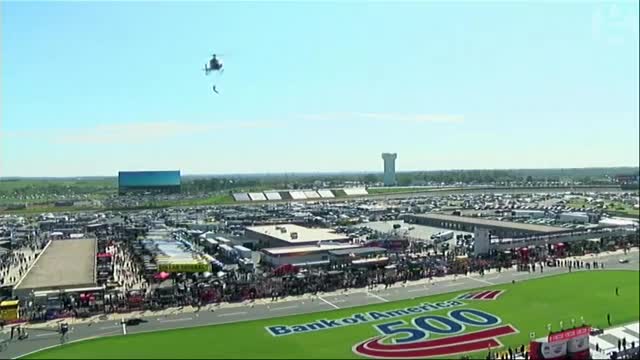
pixel 527 306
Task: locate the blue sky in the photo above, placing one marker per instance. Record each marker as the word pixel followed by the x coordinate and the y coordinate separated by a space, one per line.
pixel 91 88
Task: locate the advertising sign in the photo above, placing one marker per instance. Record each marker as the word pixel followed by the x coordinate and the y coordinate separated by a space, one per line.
pixel 569 334
pixel 460 330
pixel 184 268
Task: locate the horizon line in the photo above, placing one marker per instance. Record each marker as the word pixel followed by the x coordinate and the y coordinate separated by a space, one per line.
pixel 345 172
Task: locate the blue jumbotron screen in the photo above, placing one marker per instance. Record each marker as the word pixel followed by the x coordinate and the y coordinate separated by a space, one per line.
pixel 133 179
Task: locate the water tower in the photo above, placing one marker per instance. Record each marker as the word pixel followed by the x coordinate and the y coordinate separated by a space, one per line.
pixel 389 168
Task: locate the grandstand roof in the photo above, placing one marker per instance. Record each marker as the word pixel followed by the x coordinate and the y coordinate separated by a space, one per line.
pixel 311 194
pixel 273 195
pixel 297 195
pixel 355 191
pixel 492 223
pixel 241 197
pixel 326 194
pixel 257 196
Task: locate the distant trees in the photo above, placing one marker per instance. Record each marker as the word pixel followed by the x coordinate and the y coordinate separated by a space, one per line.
pixel 592 176
pixel 219 184
pixel 370 179
pixel 459 176
pixel 304 181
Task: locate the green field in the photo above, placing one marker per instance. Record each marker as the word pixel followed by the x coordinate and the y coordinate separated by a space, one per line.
pixel 26 185
pixel 527 306
pixel 40 194
pixel 41 209
pixel 212 200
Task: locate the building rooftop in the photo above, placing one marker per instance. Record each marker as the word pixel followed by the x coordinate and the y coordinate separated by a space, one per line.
pixel 359 251
pixel 273 195
pixel 241 197
pixel 257 196
pixel 64 263
pixel 617 222
pixel 493 223
pixel 355 191
pixel 325 193
pixel 292 250
pixel 574 213
pixel 283 232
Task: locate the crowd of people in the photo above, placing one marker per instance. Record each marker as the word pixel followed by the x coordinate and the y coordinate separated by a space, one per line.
pixel 15 262
pixel 509 354
pixel 624 351
pixel 241 285
pixel 133 288
pixel 136 289
pixel 127 272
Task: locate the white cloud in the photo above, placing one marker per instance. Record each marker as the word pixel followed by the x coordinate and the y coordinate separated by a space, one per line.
pixel 391 117
pixel 134 133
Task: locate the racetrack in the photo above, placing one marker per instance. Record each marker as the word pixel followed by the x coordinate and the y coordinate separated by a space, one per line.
pixel 265 310
pixel 512 312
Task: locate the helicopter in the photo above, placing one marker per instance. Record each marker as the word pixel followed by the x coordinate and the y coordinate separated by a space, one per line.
pixel 215 64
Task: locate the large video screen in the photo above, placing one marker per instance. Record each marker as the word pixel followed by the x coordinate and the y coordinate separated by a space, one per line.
pixel 148 179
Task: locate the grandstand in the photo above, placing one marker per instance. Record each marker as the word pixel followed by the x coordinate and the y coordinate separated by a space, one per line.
pixel 302 194
pixel 326 194
pixel 355 191
pixel 297 195
pixel 257 196
pixel 273 196
pixel 285 195
pixel 311 194
pixel 241 197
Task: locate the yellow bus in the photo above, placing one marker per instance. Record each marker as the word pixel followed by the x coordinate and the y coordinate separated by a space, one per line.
pixel 10 310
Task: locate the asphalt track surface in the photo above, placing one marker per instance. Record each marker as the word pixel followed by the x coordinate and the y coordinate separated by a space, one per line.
pixel 46 338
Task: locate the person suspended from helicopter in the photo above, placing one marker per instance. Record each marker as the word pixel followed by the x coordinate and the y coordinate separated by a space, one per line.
pixel 215 64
